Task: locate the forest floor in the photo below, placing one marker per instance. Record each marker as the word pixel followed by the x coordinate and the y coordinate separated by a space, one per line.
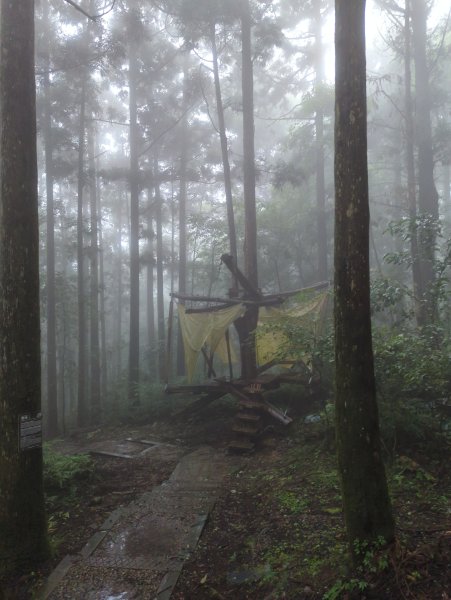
pixel 276 530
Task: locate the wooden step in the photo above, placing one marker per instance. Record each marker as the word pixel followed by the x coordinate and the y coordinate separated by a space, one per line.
pixel 248 416
pixel 251 404
pixel 246 429
pixel 241 446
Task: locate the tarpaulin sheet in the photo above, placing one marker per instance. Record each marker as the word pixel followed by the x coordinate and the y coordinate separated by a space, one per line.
pixel 308 314
pixel 205 328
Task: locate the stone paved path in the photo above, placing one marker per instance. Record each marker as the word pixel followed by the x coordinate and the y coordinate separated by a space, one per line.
pixel 139 551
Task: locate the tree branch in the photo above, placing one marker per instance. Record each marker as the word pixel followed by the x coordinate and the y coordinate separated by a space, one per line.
pixel 91 17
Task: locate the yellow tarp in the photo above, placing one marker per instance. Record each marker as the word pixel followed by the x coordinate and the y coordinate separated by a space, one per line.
pixel 269 343
pixel 206 328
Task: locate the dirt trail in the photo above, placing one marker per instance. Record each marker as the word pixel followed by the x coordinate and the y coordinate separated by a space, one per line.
pixel 139 551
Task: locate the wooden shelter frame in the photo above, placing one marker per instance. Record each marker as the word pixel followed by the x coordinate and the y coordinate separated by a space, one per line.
pixel 249 392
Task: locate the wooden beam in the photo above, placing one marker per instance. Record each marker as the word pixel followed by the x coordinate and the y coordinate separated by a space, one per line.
pixel 260 300
pixel 230 263
pixel 229 353
pixel 169 343
pixel 209 361
pixel 204 299
pixel 322 285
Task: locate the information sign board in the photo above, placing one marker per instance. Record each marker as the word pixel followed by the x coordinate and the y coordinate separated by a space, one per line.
pixel 30 431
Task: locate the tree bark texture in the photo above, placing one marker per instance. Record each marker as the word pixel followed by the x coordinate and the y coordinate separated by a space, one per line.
pixel 120 285
pixel 133 378
pixel 418 287
pixel 366 501
pixel 103 324
pixel 250 213
pixel 23 537
pixel 224 147
pixel 182 211
pixel 83 408
pixel 160 283
pixel 427 192
pixel 52 386
pixel 247 324
pixel 319 143
pixel 94 287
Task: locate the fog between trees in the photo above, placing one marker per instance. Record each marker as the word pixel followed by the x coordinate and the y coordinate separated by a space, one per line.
pixel 172 133
pixel 132 185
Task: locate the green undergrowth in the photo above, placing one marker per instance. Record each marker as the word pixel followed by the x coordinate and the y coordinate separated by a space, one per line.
pixel 64 476
pixel 297 495
pixel 63 473
pixel 286 536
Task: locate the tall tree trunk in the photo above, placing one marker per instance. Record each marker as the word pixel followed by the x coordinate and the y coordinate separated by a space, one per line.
pixel 94 286
pixel 224 147
pixel 172 237
pixel 150 295
pixel 418 287
pixel 160 288
pixel 366 501
pixel 118 278
pixel 182 209
pixel 319 143
pixel 247 324
pixel 103 354
pixel 447 186
pixel 427 192
pixel 23 525
pixel 133 380
pixel 52 385
pixel 83 409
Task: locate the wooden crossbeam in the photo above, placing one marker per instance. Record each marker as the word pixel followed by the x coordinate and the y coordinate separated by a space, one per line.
pixel 230 263
pixel 260 300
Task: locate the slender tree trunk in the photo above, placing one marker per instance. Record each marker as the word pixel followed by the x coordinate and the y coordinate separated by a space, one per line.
pixel 119 280
pixel 103 355
pixel 66 372
pixel 427 192
pixel 224 147
pixel 246 325
pixel 366 501
pixel 447 187
pixel 83 409
pixel 172 237
pixel 319 143
pixel 23 538
pixel 150 296
pixel 182 210
pixel 94 287
pixel 133 391
pixel 52 385
pixel 250 226
pixel 160 288
pixel 418 287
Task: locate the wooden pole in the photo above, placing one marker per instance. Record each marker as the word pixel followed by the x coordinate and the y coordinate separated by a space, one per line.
pixel 229 354
pixel 168 350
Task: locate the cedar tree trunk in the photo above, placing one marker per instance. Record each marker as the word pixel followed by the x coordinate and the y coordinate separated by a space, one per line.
pixel 366 501
pixel 23 536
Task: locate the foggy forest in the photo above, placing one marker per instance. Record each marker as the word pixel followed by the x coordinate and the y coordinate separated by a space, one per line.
pixel 225 299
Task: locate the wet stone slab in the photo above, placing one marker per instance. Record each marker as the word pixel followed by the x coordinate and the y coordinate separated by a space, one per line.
pixel 128 448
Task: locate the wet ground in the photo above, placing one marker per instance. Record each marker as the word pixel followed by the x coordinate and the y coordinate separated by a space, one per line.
pixel 139 551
